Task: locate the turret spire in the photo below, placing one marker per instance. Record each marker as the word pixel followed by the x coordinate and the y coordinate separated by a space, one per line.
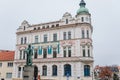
pixel 82 9
pixel 82 3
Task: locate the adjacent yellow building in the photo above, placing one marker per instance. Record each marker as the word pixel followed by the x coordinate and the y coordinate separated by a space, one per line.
pixel 6 64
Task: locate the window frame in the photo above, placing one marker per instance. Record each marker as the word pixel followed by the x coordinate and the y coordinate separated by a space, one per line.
pixel 69 35
pixel 10 64
pixel 55 37
pixel 36 39
pixel 45 38
pixel 64 36
pixel 9 75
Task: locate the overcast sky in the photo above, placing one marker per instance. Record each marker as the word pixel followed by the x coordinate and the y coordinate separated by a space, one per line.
pixel 105 20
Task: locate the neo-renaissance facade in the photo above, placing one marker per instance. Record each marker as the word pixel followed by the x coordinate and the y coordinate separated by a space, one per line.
pixel 61 48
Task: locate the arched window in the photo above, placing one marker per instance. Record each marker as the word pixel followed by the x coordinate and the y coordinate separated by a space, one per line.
pixel 43 27
pixel 34 28
pixel 54 70
pixel 67 70
pixel 53 26
pixel 38 28
pixel 57 25
pixel 86 70
pixel 44 68
pixel 48 26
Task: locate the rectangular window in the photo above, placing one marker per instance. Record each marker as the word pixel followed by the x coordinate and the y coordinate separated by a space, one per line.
pixel 87 34
pixel 64 51
pixel 8 75
pixel 24 54
pixel 84 53
pixel 54 37
pixel 88 53
pixel 0 64
pixel 35 54
pixel 66 21
pixel 69 35
pixel 10 64
pixel 36 39
pixel 25 40
pixel 44 53
pixel 83 34
pixel 64 35
pixel 82 19
pixel 69 51
pixel 45 38
pixel 21 40
pixel 54 52
pixel 20 54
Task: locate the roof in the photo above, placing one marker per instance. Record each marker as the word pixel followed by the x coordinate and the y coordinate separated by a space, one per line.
pixel 6 55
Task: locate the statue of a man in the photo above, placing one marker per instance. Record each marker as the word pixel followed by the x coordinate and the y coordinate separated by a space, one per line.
pixel 29 53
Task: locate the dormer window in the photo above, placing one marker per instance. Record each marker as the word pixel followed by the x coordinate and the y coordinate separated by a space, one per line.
pixel 43 27
pixel 47 26
pixel 38 28
pixel 66 21
pixel 53 26
pixel 34 28
pixel 57 25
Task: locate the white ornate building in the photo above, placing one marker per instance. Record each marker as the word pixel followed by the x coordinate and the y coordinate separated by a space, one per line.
pixel 61 48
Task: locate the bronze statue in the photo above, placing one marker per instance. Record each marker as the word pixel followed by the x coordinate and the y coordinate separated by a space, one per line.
pixel 29 53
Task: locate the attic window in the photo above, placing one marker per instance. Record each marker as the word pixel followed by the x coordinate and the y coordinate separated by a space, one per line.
pixel 34 28
pixel 53 26
pixel 38 28
pixel 66 21
pixel 57 25
pixel 43 27
pixel 47 26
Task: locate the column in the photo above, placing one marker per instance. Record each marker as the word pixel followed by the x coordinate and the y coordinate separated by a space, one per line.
pixel 21 73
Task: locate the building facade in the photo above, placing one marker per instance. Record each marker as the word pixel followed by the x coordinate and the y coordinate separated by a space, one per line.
pixel 62 48
pixel 6 64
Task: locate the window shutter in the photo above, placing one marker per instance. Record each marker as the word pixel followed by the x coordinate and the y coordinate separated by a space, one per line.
pixel 40 50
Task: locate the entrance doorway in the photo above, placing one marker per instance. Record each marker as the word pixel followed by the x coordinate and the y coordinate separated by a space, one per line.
pixel 35 72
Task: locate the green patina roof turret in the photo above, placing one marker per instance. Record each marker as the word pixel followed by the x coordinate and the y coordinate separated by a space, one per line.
pixel 82 8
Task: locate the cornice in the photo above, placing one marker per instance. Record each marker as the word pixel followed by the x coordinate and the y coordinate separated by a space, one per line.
pixel 55 28
pixel 53 60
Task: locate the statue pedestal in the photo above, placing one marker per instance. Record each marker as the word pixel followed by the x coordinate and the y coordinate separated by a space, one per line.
pixel 28 73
